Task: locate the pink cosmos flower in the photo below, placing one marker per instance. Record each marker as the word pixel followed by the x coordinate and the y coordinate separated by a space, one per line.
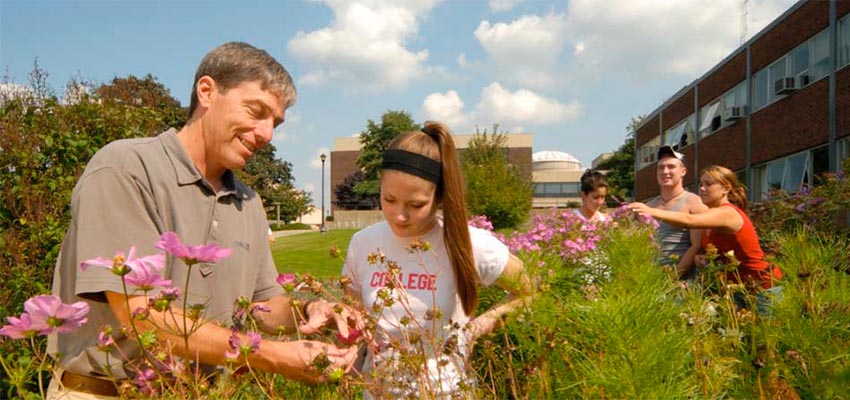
pixel 49 314
pixel 288 281
pixel 237 347
pixel 19 328
pixel 146 279
pixel 205 253
pixel 120 265
pixel 105 342
pixel 145 380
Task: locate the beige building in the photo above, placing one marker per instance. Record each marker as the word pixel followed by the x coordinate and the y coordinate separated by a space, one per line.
pixel 557 179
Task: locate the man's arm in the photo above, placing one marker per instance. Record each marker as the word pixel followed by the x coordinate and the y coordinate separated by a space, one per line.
pixel 209 342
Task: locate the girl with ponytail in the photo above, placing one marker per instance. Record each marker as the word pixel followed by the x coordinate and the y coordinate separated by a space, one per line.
pixel 430 267
pixel 728 228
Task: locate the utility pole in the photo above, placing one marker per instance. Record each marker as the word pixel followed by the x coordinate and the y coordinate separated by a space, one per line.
pixel 744 16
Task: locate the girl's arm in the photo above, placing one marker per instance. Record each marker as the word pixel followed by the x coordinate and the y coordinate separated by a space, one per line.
pixel 515 281
pixel 724 219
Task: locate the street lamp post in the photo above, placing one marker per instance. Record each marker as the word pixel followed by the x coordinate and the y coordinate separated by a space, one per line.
pixel 323 228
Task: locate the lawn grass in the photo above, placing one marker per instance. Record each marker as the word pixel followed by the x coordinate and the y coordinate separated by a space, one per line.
pixel 309 252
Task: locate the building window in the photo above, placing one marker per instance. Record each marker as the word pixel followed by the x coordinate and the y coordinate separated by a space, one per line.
pixel 682 134
pixel 776 72
pixel 821 62
pixel 789 174
pixel 844 41
pixel 710 119
pixel 647 153
pixel 843 150
pixel 734 105
pixel 556 189
pixel 760 87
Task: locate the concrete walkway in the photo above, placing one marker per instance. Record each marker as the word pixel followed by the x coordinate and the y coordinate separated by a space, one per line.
pixel 278 234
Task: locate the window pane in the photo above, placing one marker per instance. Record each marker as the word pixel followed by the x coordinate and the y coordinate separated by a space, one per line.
pixel 795 171
pixel 760 89
pixel 552 188
pixel 801 59
pixel 538 188
pixel 820 163
pixel 820 55
pixel 741 96
pixel 844 41
pixel 570 189
pixel 774 175
pixel 776 72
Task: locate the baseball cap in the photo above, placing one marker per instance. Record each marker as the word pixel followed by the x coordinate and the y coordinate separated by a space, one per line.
pixel 667 151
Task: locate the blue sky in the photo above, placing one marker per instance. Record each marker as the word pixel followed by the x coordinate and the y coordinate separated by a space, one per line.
pixel 572 73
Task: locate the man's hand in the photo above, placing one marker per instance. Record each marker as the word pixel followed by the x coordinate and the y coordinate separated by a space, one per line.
pixel 318 360
pixel 320 313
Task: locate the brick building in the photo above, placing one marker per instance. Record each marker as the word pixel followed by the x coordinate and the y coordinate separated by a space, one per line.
pixel 347 149
pixel 776 110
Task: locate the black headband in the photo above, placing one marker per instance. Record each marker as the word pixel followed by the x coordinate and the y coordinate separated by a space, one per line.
pixel 414 164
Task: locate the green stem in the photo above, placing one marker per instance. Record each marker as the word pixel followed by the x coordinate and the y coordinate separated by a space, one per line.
pixel 41 360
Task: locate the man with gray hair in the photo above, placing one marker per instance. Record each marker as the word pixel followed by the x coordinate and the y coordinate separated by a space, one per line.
pixel 182 181
pixel 678 245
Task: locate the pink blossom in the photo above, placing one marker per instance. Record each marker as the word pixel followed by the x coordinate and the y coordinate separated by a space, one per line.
pixel 19 328
pixel 105 342
pixel 49 314
pixel 120 265
pixel 145 381
pixel 288 281
pixel 205 253
pixel 145 278
pixel 237 346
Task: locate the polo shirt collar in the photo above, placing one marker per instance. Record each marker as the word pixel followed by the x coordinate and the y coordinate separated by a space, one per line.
pixel 184 167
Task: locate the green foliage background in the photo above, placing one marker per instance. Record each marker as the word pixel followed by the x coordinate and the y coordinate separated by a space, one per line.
pixel 495 187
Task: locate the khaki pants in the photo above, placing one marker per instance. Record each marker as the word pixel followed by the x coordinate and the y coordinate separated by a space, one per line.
pixel 55 391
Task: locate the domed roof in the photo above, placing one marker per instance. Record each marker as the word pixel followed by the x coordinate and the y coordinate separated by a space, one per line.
pixel 549 155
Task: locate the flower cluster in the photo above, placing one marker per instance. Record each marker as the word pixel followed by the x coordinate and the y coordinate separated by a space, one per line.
pixel 561 232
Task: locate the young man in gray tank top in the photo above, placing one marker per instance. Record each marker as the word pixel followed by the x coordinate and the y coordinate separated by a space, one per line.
pixel 681 242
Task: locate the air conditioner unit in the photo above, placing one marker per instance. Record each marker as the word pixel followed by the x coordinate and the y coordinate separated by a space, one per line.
pixel 784 85
pixel 803 80
pixel 735 113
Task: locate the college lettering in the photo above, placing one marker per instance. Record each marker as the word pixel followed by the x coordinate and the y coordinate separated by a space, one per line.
pixel 410 281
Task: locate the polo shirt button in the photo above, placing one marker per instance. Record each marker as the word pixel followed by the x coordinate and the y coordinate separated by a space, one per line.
pixel 215 224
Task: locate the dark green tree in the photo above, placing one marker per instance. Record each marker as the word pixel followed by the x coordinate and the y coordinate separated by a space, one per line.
pixel 621 166
pixel 346 198
pixel 496 188
pixel 272 179
pixel 374 141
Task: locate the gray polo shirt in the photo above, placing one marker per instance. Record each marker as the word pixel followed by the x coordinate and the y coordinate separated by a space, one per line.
pixel 130 193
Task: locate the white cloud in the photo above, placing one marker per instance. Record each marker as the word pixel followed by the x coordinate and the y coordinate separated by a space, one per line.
pixel 316 161
pixel 499 105
pixel 365 45
pixel 632 35
pixel 525 50
pixel 445 107
pixel 503 5
pixel 523 106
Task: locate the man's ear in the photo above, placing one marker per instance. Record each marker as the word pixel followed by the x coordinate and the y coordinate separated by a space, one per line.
pixel 206 91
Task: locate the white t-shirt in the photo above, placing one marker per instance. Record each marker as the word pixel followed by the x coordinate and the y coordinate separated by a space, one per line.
pixel 428 281
pixel 598 216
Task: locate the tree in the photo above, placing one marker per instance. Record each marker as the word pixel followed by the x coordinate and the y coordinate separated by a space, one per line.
pixel 621 166
pixel 346 198
pixel 45 147
pixel 374 141
pixel 495 187
pixel 146 92
pixel 272 179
